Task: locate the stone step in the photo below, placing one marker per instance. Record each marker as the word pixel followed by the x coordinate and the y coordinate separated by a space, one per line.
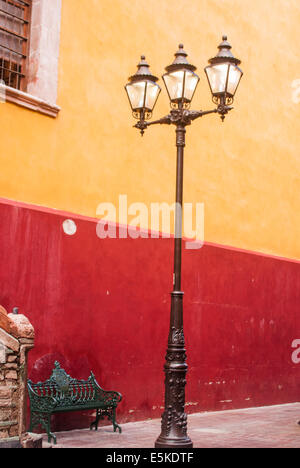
pixel 11 442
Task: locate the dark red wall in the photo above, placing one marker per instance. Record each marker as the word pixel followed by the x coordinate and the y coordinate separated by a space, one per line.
pixel 103 305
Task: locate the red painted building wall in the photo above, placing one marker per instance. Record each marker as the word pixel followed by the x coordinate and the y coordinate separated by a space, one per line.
pixel 103 305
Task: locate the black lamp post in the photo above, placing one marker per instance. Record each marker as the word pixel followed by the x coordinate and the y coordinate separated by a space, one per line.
pixel 181 82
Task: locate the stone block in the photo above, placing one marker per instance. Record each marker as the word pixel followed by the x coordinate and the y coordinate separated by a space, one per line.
pixel 12 442
pixel 9 341
pixel 12 358
pixel 4 320
pixel 6 418
pixel 21 327
pixel 13 431
pixel 26 341
pixel 11 366
pixel 6 403
pixel 2 354
pixel 11 375
pixel 5 391
pixel 30 440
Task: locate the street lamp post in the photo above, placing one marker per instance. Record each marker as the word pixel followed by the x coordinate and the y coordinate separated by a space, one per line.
pixel 181 82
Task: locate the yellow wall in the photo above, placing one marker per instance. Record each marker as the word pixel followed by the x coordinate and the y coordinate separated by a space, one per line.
pixel 246 171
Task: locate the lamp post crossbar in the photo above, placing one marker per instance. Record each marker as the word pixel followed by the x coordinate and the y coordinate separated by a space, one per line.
pixel 182 116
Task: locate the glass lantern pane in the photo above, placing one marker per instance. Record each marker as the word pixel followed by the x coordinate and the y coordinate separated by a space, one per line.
pixel 136 94
pixel 217 77
pixel 152 94
pixel 235 75
pixel 174 84
pixel 191 81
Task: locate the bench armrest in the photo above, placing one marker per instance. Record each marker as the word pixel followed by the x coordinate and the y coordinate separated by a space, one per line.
pixel 40 402
pixel 111 396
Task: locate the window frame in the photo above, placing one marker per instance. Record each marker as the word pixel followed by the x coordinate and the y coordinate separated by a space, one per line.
pixel 39 94
pixel 23 71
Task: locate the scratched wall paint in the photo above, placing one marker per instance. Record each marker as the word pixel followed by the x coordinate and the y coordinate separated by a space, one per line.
pixel 103 305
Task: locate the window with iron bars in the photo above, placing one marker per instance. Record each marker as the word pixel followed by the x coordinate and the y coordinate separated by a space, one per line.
pixel 14 42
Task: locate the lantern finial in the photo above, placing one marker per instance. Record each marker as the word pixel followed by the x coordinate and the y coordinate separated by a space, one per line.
pixel 143 72
pixel 180 61
pixel 224 53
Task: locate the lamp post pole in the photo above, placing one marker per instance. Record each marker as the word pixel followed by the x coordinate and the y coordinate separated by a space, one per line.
pixel 181 81
pixel 174 419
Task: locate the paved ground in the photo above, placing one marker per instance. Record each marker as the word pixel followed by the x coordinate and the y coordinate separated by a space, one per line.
pixel 267 427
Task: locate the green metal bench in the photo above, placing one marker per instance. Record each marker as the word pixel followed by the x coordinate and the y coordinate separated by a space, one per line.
pixel 62 393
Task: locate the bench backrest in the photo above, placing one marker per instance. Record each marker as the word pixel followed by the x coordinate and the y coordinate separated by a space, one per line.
pixel 62 386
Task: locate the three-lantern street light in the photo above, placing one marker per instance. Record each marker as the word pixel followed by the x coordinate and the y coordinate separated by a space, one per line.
pixel 224 76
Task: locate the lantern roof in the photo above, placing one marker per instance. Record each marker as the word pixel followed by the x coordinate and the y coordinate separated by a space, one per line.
pixel 143 72
pixel 224 54
pixel 180 61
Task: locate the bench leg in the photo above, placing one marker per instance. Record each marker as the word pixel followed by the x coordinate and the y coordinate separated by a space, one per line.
pixel 46 423
pixel 111 415
pixel 113 419
pixel 31 426
pixel 52 436
pixel 96 422
pixel 43 419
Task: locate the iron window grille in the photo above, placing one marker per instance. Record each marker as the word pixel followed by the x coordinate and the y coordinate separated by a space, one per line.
pixel 14 42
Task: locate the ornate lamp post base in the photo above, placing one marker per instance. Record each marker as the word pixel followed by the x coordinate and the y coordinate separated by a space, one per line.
pixel 174 419
pixel 163 442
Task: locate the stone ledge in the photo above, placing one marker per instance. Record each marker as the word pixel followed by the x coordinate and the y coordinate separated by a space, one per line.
pixel 30 102
pixel 7 424
pixel 12 442
pixel 9 341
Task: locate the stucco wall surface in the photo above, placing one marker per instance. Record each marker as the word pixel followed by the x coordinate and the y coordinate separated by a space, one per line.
pixel 103 305
pixel 246 171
